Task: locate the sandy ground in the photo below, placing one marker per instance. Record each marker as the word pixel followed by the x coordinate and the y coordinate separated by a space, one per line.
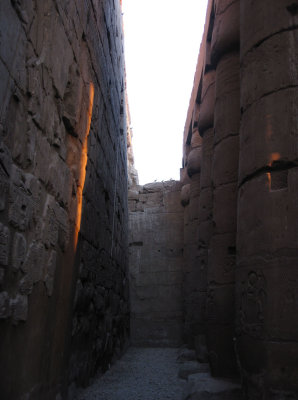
pixel 141 374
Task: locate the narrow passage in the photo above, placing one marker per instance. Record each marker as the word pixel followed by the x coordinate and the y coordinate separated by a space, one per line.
pixel 141 374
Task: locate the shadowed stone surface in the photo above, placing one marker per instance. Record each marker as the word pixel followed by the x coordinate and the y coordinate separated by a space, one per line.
pixel 222 250
pixel 203 387
pixel 192 367
pixel 221 271
pixel 191 295
pixel 156 261
pixel 247 217
pixel 63 195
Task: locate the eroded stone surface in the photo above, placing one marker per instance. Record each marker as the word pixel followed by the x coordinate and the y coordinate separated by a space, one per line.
pixel 156 260
pixel 192 367
pixel 247 219
pixel 19 308
pixel 63 194
pixel 202 386
pixel 18 251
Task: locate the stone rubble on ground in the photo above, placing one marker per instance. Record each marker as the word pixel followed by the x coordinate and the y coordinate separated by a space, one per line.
pixel 155 374
pixel 192 367
pixel 203 386
pixel 141 374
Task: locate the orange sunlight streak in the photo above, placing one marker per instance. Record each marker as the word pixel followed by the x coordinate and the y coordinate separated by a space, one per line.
pixel 269 180
pixel 84 159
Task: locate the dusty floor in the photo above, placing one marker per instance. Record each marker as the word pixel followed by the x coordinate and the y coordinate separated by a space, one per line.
pixel 141 374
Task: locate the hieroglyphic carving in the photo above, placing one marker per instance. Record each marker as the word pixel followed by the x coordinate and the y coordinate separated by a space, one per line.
pixel 252 306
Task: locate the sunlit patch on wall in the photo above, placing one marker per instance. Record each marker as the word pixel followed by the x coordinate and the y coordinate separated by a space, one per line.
pixel 83 164
pixel 274 157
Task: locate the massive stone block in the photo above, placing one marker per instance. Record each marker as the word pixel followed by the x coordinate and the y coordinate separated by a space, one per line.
pixel 225 34
pixel 260 21
pixel 264 67
pixel 275 137
pixel 247 230
pixel 206 116
pixel 227 107
pixel 194 161
pixel 185 195
pixel 267 252
pixel 63 195
pixel 222 259
pixel 193 274
pixel 224 213
pixel 156 264
pixel 207 154
pixel 268 216
pixel 225 161
pixel 197 279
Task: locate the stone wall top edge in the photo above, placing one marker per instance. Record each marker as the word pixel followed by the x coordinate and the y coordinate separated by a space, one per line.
pixel 162 186
pixel 198 73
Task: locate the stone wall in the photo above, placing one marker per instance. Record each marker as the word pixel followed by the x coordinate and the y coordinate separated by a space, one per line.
pixel 63 196
pixel 266 276
pixel 244 106
pixel 155 264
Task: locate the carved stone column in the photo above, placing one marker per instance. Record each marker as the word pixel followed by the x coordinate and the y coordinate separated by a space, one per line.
pixel 222 252
pixel 267 275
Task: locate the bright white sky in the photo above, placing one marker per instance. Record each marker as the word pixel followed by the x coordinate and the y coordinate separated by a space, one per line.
pixel 162 41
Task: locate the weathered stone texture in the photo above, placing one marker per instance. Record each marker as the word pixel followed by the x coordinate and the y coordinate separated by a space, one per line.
pixel 267 202
pixel 197 247
pixel 225 34
pixel 247 216
pixel 132 173
pixel 201 386
pixel 63 194
pixel 260 21
pixel 206 115
pixel 192 273
pixel 156 262
pixel 222 249
pixel 211 248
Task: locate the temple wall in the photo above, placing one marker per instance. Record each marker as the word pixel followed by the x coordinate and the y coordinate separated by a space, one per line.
pixel 213 258
pixel 63 198
pixel 155 264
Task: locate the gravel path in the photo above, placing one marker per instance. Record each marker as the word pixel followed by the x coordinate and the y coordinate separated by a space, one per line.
pixel 141 374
